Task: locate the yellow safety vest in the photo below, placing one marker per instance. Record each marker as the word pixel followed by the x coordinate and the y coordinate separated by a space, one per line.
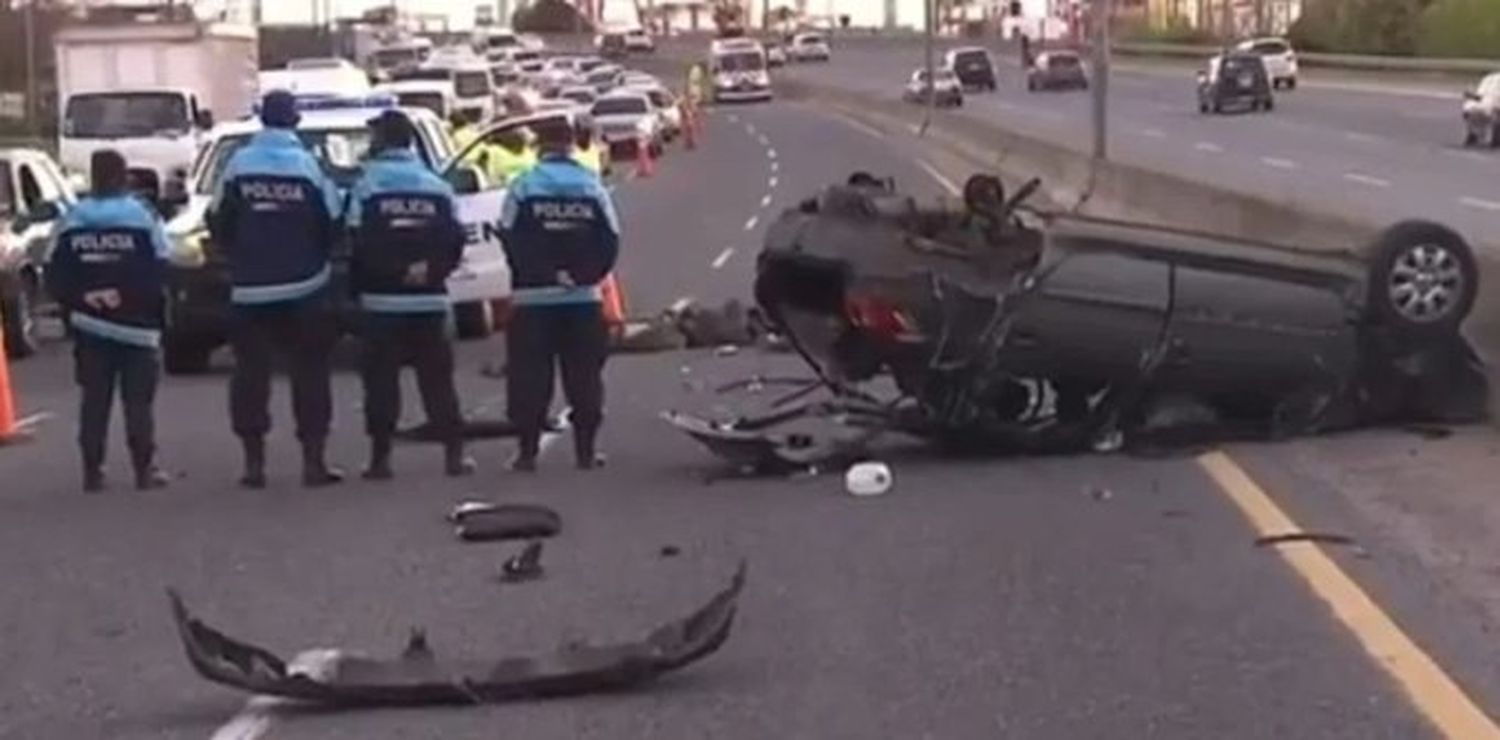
pixel 506 165
pixel 591 158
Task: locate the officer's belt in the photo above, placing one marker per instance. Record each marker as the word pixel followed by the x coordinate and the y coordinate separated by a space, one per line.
pixel 104 329
pixel 404 302
pixel 557 295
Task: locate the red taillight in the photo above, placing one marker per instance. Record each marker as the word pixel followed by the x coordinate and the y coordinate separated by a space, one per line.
pixel 879 316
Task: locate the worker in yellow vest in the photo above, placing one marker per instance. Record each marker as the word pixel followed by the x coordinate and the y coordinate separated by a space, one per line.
pixel 586 150
pixel 510 157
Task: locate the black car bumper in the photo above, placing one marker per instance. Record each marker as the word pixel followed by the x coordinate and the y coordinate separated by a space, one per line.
pixel 199 311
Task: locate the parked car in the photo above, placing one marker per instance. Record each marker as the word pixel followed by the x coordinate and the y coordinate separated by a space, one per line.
pixel 1481 113
pixel 1235 79
pixel 990 326
pixel 626 118
pixel 638 41
pixel 33 194
pixel 973 66
pixel 809 47
pixel 1280 59
pixel 775 54
pixel 613 46
pixel 1057 70
pixel 946 89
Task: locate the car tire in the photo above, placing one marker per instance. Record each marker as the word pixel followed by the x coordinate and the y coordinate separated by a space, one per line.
pixel 1494 137
pixel 1031 86
pixel 473 321
pixel 958 103
pixel 20 321
pixel 1217 107
pixel 1423 279
pixel 1291 84
pixel 185 354
pixel 1269 105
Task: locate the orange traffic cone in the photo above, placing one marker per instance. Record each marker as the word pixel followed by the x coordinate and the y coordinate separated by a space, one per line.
pixel 644 167
pixel 9 431
pixel 689 128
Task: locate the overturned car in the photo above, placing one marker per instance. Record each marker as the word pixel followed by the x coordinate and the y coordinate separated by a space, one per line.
pixel 1005 328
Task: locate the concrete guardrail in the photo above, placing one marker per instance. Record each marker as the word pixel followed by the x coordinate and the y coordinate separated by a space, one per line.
pixel 1330 61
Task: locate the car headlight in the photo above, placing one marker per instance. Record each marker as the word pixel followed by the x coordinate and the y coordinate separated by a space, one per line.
pixel 762 79
pixel 190 249
pixel 643 125
pixel 723 81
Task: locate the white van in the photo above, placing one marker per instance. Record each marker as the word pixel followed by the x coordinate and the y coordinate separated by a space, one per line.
pixel 473 85
pixel 737 68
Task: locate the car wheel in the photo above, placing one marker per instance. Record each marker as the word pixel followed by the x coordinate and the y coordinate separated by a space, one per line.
pixel 185 355
pixel 1217 107
pixel 1202 107
pixel 1269 105
pixel 1423 278
pixel 1470 137
pixel 1494 138
pixel 958 103
pixel 20 321
pixel 473 320
pixel 1291 84
pixel 1031 85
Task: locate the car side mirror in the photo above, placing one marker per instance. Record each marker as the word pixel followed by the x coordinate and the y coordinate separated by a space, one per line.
pixel 43 213
pixel 1471 96
pixel 78 183
pixel 204 120
pixel 465 179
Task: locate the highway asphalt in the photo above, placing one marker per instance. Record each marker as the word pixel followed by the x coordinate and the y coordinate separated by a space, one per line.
pixel 1064 597
pixel 1370 150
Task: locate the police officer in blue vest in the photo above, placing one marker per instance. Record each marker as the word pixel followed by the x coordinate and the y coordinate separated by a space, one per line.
pixel 108 270
pixel 561 237
pixel 407 240
pixel 277 216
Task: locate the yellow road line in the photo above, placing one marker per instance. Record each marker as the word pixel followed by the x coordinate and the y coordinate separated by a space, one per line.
pixel 1436 695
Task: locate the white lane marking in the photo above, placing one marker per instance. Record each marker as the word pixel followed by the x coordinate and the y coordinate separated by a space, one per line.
pixel 771 153
pixel 775 166
pixel 763 140
pixel 939 177
pixel 1279 163
pixel 750 127
pixel 723 257
pixel 1480 203
pixel 1373 182
pixel 765 201
pixel 773 182
pixel 1471 156
pixel 750 224
pixel 1154 133
pixel 859 125
pixel 681 304
pixel 25 423
pixel 1362 138
pixel 254 720
pixel 1208 146
pixel 734 118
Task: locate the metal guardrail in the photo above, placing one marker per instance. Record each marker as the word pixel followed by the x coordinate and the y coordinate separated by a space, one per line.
pixel 1330 61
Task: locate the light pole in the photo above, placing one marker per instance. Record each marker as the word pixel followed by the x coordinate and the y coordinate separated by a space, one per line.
pixel 33 122
pixel 930 62
pixel 1102 12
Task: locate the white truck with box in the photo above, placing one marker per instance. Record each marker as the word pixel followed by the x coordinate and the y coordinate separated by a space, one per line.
pixel 150 90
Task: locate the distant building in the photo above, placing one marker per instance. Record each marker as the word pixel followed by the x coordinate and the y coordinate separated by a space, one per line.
pixel 1245 17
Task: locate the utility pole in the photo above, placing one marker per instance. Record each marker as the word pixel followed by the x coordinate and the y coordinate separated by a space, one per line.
pixel 930 62
pixel 1103 12
pixel 33 117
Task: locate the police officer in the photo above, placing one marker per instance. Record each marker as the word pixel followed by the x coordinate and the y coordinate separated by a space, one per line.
pixel 561 237
pixel 108 269
pixel 276 214
pixel 406 241
pixel 586 148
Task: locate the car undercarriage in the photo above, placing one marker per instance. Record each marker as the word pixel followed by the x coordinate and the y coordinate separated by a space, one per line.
pixel 995 328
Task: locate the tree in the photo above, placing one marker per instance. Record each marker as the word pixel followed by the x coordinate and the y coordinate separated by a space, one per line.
pixel 550 16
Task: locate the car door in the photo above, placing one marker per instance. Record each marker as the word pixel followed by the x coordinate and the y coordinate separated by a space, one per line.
pixel 484 274
pixel 1090 312
pixel 34 188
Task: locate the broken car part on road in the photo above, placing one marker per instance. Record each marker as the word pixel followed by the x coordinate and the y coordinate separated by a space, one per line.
pixel 418 676
pixel 479 521
pixel 1008 329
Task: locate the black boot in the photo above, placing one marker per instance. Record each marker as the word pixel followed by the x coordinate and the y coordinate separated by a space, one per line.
pixel 455 463
pixel 531 448
pixel 93 478
pixel 380 460
pixel 585 454
pixel 255 463
pixel 315 470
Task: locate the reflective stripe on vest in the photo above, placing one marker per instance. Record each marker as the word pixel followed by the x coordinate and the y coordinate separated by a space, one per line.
pixel 104 329
pixel 557 295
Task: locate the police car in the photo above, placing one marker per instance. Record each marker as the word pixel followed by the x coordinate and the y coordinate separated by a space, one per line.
pixel 335 130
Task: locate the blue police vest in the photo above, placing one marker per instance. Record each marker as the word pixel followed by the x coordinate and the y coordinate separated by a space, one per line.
pixel 108 265
pixel 275 213
pixel 407 238
pixel 558 216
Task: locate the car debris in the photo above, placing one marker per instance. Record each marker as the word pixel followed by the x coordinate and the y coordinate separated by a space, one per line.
pixel 1321 538
pixel 868 479
pixel 477 521
pixel 1000 328
pixel 524 566
pixel 419 677
pixel 686 325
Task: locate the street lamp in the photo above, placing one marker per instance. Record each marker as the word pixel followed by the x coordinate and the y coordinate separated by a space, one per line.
pixel 1102 12
pixel 927 15
pixel 33 122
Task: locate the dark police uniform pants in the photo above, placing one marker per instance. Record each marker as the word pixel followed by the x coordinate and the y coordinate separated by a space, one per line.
pixel 541 337
pixel 393 341
pixel 101 366
pixel 303 334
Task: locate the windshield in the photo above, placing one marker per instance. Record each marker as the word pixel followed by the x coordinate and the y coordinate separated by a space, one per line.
pixel 1270 47
pixel 589 65
pixel 438 75
pixel 620 106
pixel 471 84
pixel 585 97
pixel 810 40
pixel 971 58
pixel 339 151
pixel 114 115
pixel 601 76
pixel 1062 60
pixel 315 64
pixel 660 98
pixel 1239 66
pixel 743 61
pixel 432 101
pixel 387 58
pixel 7 197
pixel 526 56
pixel 500 41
